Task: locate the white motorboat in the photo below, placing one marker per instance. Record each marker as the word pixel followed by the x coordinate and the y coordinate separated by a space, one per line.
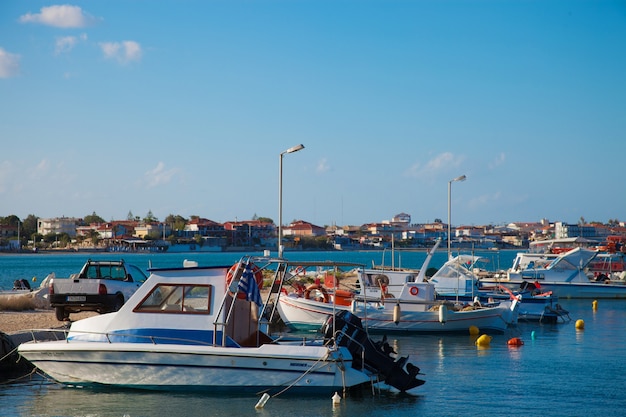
pixel 457 280
pixel 197 328
pixel 397 305
pixel 565 274
pixel 416 310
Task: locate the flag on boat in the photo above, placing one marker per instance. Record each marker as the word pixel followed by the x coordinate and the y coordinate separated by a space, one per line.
pixel 248 285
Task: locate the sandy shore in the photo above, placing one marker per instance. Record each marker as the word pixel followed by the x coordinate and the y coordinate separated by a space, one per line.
pixel 15 321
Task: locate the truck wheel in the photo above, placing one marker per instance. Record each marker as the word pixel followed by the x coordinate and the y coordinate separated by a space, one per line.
pixel 61 314
pixel 119 302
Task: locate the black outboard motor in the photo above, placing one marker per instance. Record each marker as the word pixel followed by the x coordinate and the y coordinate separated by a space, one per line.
pixel 374 356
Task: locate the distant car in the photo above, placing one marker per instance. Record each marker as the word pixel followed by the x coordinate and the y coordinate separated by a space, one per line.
pixel 102 286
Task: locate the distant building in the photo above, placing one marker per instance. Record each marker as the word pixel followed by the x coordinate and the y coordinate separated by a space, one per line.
pixel 302 228
pixel 58 225
pixel 402 219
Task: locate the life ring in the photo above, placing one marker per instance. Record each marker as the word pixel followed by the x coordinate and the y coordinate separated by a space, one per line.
pixel 258 277
pixel 307 292
pixel 414 290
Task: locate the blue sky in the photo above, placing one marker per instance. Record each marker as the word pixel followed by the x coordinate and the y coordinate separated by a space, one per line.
pixel 183 107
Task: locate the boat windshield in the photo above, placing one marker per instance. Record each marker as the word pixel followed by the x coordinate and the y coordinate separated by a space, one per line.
pixel 182 298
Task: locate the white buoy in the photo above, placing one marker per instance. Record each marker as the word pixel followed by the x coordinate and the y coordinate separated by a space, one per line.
pixel 396 313
pixel 336 399
pixel 443 314
pixel 262 401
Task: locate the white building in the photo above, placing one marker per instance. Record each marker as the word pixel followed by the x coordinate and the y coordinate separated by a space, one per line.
pixel 57 225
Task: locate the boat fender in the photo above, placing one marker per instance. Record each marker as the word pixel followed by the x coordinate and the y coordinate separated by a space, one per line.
pixel 397 312
pixel 515 341
pixel 262 400
pixel 443 313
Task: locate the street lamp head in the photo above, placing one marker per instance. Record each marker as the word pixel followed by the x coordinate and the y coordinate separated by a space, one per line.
pixel 461 178
pixel 294 148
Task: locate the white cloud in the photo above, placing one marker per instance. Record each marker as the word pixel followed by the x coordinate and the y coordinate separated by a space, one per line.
pixel 498 161
pixel 9 64
pixel 66 43
pixel 440 164
pixel 322 166
pixel 124 52
pixel 64 16
pixel 158 176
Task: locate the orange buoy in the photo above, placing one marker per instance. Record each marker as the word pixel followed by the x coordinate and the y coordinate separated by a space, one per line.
pixel 515 341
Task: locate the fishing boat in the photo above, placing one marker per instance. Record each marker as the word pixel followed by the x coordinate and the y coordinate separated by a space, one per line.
pixel 207 329
pixel 458 280
pixel 396 306
pixel 565 274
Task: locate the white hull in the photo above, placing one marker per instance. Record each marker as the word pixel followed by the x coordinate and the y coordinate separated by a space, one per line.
pixel 167 367
pixel 577 289
pixel 304 314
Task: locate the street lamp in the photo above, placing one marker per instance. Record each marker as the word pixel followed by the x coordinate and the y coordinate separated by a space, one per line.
pixel 461 178
pixel 280 196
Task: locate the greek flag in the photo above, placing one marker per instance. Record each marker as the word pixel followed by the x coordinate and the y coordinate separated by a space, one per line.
pixel 248 286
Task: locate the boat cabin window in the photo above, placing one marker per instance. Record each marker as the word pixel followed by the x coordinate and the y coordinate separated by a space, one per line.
pixel 171 298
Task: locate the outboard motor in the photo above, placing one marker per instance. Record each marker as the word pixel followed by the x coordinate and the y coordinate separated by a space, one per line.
pixel 373 356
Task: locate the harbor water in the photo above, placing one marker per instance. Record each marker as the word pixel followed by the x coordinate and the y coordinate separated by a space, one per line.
pixel 558 371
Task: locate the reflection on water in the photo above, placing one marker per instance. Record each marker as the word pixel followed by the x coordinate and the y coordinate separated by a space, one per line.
pixel 47 399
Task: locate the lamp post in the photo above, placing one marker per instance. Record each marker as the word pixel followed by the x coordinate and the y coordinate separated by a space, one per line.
pixel 461 178
pixel 280 196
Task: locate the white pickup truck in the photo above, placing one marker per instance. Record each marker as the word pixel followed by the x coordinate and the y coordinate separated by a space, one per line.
pixel 101 286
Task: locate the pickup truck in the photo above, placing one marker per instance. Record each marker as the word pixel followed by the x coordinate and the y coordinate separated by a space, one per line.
pixel 102 286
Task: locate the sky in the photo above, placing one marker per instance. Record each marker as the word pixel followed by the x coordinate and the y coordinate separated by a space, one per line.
pixel 184 107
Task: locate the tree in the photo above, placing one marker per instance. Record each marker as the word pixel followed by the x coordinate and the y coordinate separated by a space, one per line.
pixel 93 218
pixel 11 220
pixel 130 216
pixel 29 225
pixel 150 218
pixel 176 222
pixel 265 220
pixel 94 236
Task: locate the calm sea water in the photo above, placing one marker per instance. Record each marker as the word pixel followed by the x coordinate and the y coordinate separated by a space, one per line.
pixel 559 371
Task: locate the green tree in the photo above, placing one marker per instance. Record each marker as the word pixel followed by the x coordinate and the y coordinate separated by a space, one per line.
pixel 11 220
pixel 93 218
pixel 94 236
pixel 150 218
pixel 29 225
pixel 176 222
